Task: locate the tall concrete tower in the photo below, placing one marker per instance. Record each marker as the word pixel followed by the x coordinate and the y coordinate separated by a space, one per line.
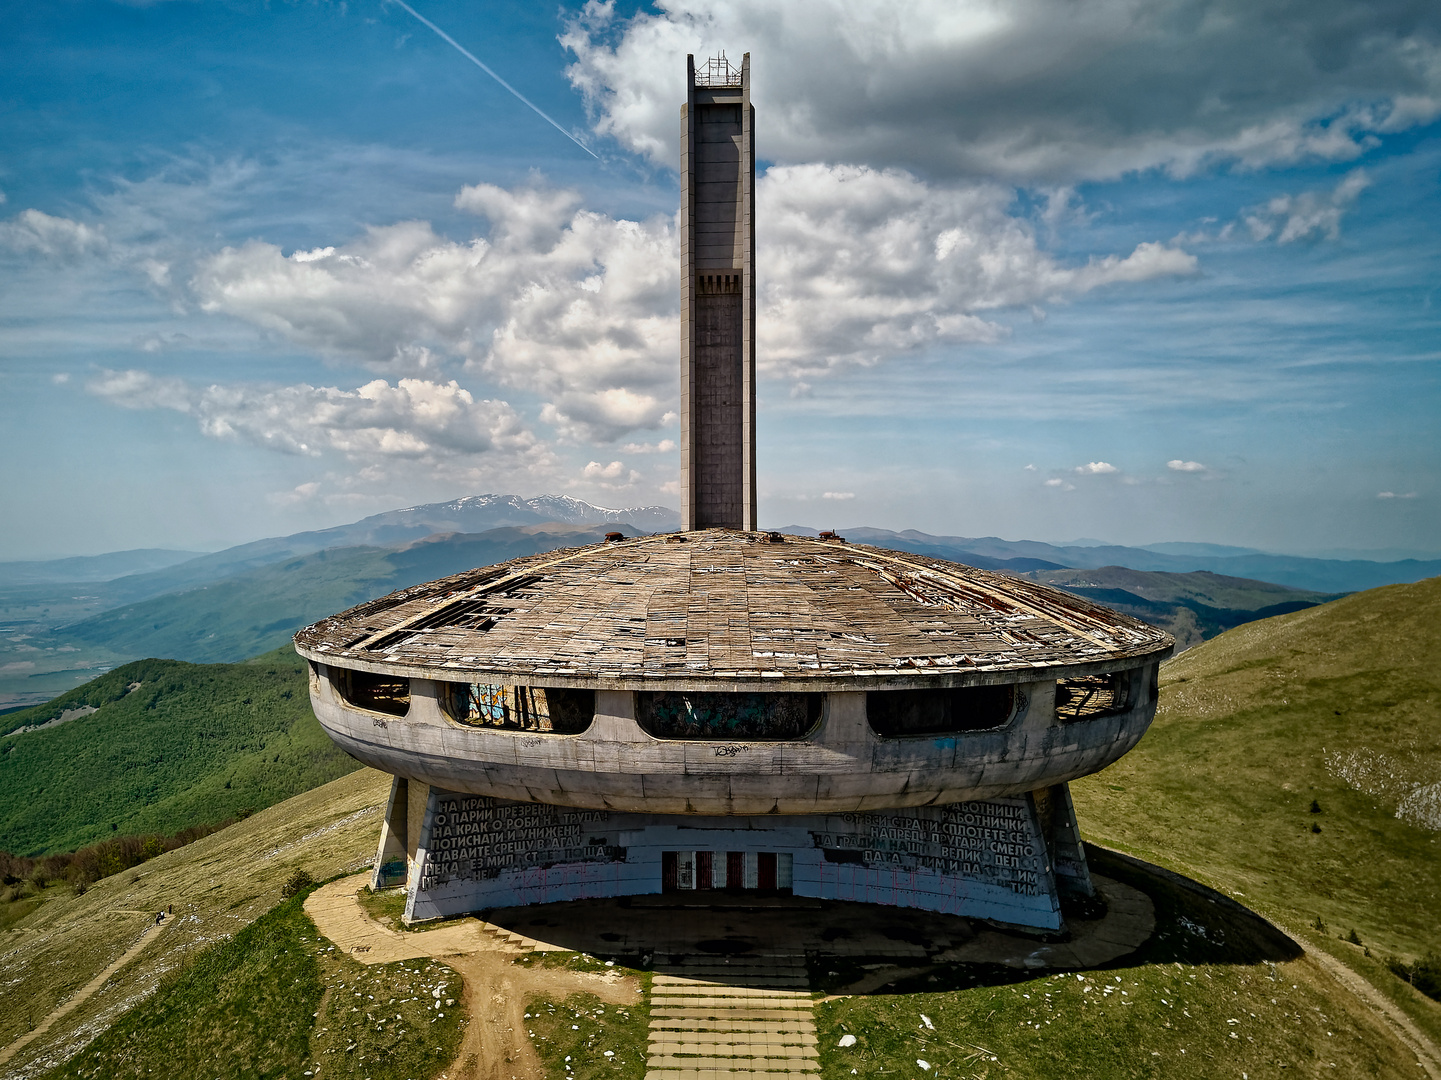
pixel 718 306
pixel 726 709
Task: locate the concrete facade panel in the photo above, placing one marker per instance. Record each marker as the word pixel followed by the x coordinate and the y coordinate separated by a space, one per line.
pixel 983 859
pixel 614 764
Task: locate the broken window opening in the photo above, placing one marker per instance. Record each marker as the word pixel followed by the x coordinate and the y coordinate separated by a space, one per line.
pixel 899 714
pixel 389 694
pixel 1087 697
pixel 671 714
pixel 547 710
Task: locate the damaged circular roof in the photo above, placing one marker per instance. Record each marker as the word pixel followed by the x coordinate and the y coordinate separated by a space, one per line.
pixel 689 610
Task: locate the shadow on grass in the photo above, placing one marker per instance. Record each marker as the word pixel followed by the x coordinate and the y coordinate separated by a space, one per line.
pixel 1194 925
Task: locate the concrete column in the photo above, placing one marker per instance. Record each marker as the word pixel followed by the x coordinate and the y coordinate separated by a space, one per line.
pixel 391 856
pixel 422 808
pixel 417 795
pixel 1057 816
pixel 718 299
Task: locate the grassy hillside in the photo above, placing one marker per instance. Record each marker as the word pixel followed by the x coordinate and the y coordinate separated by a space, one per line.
pixel 1192 607
pixel 216 886
pixel 1213 993
pixel 274 1001
pixel 1296 763
pixel 168 745
pixel 262 608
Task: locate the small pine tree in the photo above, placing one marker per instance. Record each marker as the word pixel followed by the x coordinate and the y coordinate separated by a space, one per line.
pixel 1315 826
pixel 1426 976
pixel 1353 937
pixel 296 883
pixel 1315 807
pixel 1318 925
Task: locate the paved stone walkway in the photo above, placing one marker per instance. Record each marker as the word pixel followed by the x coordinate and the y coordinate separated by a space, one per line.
pixel 751 1017
pixel 337 915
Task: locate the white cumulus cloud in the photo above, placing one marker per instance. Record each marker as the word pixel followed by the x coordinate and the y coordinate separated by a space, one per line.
pixel 412 419
pixel 1031 91
pixel 863 264
pixel 612 476
pixel 566 303
pixel 1177 465
pixel 1095 468
pixel 1310 215
pixel 579 308
pixel 38 233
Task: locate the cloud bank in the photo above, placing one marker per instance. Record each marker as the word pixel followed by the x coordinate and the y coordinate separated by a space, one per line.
pixel 860 266
pixel 1033 91
pixel 414 419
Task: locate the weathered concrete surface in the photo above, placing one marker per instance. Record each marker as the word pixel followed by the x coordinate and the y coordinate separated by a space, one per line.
pixel 725 610
pixel 988 860
pixel 841 766
pixel 718 337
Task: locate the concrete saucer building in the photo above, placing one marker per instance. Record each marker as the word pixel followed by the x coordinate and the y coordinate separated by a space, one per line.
pixel 728 709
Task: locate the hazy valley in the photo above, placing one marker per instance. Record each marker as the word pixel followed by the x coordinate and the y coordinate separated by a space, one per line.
pixel 56 632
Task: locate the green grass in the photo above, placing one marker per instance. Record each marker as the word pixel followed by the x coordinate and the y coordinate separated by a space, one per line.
pixel 572 1037
pixel 1157 1021
pixel 1340 705
pixel 277 1000
pixel 1164 1011
pixel 19 902
pixel 191 744
pixel 385 906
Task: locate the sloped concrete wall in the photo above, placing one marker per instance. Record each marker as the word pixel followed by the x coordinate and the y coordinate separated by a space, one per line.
pixel 985 859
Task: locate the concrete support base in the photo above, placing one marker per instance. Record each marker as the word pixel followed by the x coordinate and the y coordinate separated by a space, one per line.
pixel 1009 860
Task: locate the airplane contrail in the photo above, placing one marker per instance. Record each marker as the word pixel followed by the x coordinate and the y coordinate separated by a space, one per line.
pixel 483 67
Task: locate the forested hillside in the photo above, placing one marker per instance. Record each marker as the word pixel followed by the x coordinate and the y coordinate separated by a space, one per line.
pixel 160 745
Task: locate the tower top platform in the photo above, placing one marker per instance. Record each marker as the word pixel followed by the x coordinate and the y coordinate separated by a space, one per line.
pixel 729 610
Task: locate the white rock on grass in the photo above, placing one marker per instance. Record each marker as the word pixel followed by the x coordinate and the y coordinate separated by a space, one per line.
pixel 847 1040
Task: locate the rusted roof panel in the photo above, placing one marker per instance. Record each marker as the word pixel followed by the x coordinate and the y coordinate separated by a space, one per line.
pixel 728 605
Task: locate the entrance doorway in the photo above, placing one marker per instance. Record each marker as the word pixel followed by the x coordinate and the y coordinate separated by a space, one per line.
pixel 733 871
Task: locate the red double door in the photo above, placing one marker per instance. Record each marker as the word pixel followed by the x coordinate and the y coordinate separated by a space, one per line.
pixel 686 870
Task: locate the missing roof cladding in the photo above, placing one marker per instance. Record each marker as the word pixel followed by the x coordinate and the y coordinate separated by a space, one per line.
pixel 1087 697
pixel 898 714
pixel 389 694
pixel 725 716
pixel 547 710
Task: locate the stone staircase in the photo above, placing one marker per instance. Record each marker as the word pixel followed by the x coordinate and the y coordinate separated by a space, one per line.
pixel 711 1019
pixel 519 941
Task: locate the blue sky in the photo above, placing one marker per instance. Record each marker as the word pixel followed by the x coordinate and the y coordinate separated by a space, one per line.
pixel 1140 272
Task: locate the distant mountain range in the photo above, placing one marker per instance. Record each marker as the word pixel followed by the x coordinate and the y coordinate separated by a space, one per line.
pixel 473 514
pixel 1316 575
pixel 63 621
pixel 261 607
pixel 87 568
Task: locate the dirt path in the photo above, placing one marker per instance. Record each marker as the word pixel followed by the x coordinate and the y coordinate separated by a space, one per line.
pixel 1412 1037
pixel 149 934
pixel 494 1046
